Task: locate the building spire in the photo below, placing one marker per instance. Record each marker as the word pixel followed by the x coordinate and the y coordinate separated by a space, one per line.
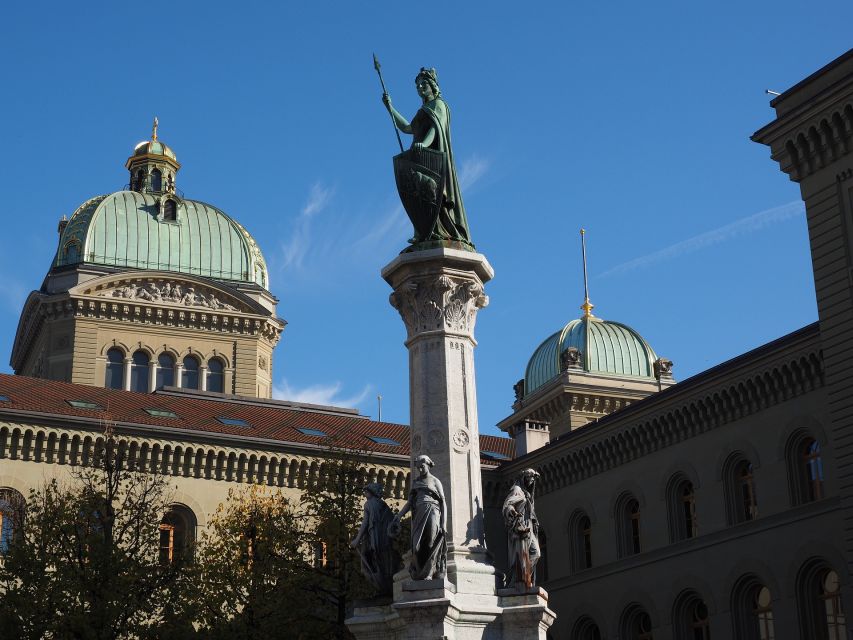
pixel 587 306
pixel 154 129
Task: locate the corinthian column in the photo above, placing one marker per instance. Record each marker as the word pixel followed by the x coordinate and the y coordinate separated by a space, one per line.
pixel 438 293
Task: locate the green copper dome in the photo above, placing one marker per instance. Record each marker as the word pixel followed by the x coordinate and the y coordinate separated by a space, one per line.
pixel 136 230
pixel 605 347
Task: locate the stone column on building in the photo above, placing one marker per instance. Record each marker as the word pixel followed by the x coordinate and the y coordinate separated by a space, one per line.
pixel 152 374
pixel 438 293
pixel 127 371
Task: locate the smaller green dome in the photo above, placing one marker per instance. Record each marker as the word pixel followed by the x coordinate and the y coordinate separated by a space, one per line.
pixel 153 147
pixel 605 347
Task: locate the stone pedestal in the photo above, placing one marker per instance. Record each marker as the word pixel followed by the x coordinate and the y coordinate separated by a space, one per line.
pixel 438 293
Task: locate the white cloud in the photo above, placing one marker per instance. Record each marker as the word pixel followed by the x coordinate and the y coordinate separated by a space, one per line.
pixel 326 394
pixel 294 249
pixel 749 224
pixel 473 168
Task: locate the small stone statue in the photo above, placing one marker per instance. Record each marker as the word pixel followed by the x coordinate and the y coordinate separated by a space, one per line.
pixel 522 532
pixel 426 173
pixel 429 523
pixel 379 561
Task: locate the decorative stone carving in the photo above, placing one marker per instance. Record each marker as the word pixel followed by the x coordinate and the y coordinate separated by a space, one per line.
pixel 570 358
pixel 434 439
pixel 518 388
pixel 663 368
pixel 262 363
pixel 166 292
pixel 461 439
pixel 444 303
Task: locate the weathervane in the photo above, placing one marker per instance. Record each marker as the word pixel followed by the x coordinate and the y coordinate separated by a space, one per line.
pixel 587 305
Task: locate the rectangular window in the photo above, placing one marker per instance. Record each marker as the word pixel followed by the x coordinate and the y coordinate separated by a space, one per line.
pixel 312 432
pixel 161 413
pixel 233 422
pixel 85 404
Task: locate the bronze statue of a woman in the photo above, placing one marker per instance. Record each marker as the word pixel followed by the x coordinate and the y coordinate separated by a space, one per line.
pixel 426 173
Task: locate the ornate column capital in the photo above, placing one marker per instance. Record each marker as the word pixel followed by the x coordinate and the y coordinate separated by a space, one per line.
pixel 438 290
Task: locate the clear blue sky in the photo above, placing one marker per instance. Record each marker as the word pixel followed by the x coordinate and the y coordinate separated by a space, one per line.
pixel 631 119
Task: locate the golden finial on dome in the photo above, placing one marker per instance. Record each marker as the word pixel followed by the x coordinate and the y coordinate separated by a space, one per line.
pixel 154 129
pixel 587 306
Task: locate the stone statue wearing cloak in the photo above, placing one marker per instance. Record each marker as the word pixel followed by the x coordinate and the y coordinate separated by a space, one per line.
pixel 379 560
pixel 429 524
pixel 430 129
pixel 522 532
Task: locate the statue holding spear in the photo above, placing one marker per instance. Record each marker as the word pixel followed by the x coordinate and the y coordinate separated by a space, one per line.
pixel 426 173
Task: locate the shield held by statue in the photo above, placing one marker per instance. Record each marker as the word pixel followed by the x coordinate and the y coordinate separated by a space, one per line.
pixel 420 176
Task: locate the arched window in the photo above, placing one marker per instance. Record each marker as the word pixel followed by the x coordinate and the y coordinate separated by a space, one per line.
pixel 819 597
pixel 805 466
pixel 628 525
pixel 690 618
pixel 114 376
pixel 156 180
pixel 580 541
pixel 752 611
pixel 636 624
pixel 682 509
pixel 177 534
pixel 586 629
pixel 12 508
pixel 741 499
pixel 170 210
pixel 189 379
pixel 819 601
pixel 139 371
pixel 812 466
pixel 140 180
pixel 829 591
pixel 165 370
pixel 215 375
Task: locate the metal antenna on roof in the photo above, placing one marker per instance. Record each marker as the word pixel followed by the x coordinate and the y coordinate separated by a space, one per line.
pixel 379 400
pixel 587 305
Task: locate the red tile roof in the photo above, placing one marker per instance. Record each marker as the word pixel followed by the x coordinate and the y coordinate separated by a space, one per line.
pixel 198 412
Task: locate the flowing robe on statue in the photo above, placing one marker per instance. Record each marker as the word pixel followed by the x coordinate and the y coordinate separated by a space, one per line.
pixel 522 529
pixel 378 559
pixel 452 222
pixel 429 547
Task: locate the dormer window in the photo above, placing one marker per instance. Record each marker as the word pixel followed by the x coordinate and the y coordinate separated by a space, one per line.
pixel 71 252
pixel 170 210
pixel 157 180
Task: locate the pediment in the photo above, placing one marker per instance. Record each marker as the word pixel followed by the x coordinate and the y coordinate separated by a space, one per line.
pixel 167 290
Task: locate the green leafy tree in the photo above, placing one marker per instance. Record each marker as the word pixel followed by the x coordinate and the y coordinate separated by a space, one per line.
pixel 85 564
pixel 250 571
pixel 333 504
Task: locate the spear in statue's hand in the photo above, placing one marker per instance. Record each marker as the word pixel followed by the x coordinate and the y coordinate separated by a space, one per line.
pixel 385 92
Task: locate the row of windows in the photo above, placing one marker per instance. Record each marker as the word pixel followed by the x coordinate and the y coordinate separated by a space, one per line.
pixel 177 529
pixel 818 597
pixel 805 464
pixel 167 374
